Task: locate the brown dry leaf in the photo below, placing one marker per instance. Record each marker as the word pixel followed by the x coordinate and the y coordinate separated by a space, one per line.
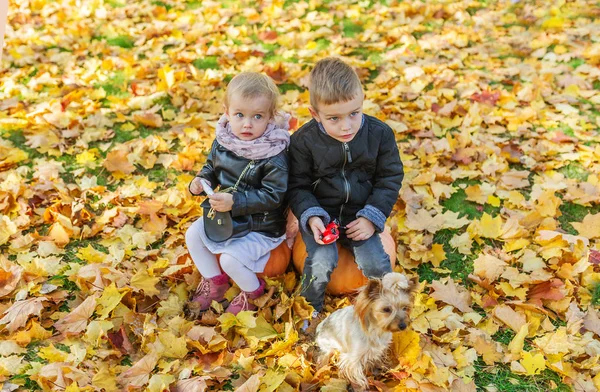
pixel 508 316
pixel 252 384
pixel 10 275
pixel 194 384
pixel 591 322
pixel 17 315
pixel 149 119
pixel 139 374
pixel 77 319
pixel 452 294
pixel 116 161
pixel 490 350
pixel 488 266
pixel 589 227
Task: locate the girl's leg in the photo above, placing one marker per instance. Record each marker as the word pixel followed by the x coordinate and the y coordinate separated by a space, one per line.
pixel 251 286
pixel 241 275
pixel 205 261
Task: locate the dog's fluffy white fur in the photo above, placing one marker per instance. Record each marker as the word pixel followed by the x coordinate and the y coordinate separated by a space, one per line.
pixel 362 333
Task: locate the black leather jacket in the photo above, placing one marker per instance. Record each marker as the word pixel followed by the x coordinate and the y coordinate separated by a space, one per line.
pixel 261 191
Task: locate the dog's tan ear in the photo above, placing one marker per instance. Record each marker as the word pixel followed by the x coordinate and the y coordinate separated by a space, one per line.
pixel 370 292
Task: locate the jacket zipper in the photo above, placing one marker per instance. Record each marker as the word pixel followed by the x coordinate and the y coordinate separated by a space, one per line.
pixel 347 158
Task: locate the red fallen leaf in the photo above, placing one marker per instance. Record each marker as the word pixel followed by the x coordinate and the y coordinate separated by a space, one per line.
pixel 400 375
pixel 512 152
pixel 120 341
pixel 487 97
pixel 460 110
pixel 276 73
pixel 464 155
pixel 547 290
pixel 293 123
pixel 435 108
pixel 560 137
pixel 488 301
pixel 479 208
pixel 594 256
pixel 268 35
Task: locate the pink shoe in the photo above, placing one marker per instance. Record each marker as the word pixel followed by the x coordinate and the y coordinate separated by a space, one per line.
pixel 211 289
pixel 241 303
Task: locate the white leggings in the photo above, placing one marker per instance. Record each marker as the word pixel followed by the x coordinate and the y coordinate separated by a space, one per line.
pixel 207 263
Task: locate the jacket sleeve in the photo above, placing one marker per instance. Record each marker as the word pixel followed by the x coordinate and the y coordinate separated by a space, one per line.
pixel 208 170
pixel 269 196
pixel 388 175
pixel 301 199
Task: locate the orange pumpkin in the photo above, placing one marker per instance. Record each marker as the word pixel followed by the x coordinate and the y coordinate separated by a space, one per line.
pixel 346 277
pixel 278 261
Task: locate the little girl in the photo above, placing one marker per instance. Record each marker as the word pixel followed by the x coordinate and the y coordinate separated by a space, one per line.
pixel 250 146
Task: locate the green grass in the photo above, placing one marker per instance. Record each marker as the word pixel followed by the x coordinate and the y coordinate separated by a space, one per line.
pixel 460 265
pixel 502 379
pixel 572 212
pixel 576 62
pixel 115 85
pixel 575 171
pixel 285 87
pixel 596 295
pixel 64 282
pixel 458 203
pixel 26 382
pixel 350 28
pixel 162 4
pixel 206 62
pixel 596 84
pixel 123 41
pixel 73 247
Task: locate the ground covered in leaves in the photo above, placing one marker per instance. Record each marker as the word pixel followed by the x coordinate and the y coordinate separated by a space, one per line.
pixel 108 109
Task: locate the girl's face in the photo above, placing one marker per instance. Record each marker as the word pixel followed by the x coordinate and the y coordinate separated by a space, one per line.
pixel 248 117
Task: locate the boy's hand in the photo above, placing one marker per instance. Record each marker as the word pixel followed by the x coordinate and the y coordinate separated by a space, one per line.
pixel 360 229
pixel 196 186
pixel 316 225
pixel 221 202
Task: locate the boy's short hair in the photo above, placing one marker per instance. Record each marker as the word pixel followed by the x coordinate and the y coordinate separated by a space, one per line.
pixel 333 81
pixel 252 85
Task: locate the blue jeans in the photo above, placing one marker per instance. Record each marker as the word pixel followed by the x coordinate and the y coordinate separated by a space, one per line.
pixel 322 260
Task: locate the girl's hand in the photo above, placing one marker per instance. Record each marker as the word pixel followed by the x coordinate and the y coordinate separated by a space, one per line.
pixel 196 186
pixel 360 229
pixel 221 202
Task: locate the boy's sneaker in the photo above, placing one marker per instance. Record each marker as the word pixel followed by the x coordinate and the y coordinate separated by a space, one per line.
pixel 310 326
pixel 241 302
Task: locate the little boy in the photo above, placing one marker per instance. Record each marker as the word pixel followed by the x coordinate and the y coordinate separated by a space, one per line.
pixel 344 165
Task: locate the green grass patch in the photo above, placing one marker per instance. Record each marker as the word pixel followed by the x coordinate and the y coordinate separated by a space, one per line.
pixel 115 3
pixel 596 295
pixel 206 62
pixel 575 171
pixel 502 379
pixel 351 28
pixel 162 4
pixel 25 382
pixel 458 203
pixel 73 247
pixel 115 85
pixel 64 282
pixel 122 41
pixel 596 84
pixel 459 265
pixel 572 212
pixel 576 62
pixel 285 87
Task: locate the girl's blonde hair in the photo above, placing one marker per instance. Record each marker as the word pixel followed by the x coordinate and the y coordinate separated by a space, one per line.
pixel 251 85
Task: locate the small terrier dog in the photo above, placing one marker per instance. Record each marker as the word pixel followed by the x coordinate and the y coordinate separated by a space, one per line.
pixel 361 333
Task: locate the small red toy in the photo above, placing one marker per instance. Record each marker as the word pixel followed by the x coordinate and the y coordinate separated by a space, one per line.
pixel 331 233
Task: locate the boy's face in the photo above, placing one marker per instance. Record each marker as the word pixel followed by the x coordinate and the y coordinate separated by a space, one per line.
pixel 341 120
pixel 248 117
